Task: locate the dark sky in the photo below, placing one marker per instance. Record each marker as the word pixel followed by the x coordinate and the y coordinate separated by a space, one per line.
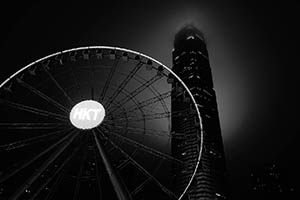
pixel 252 48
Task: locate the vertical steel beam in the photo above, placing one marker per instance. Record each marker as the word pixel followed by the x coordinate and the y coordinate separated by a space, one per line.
pixel 120 189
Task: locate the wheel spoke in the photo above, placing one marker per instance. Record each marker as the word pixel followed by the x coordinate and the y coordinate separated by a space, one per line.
pixel 92 79
pixel 59 86
pixel 59 170
pixel 79 174
pixel 30 126
pixel 33 110
pixel 140 168
pixel 43 96
pixel 142 185
pixel 144 131
pixel 76 82
pixel 151 88
pixel 98 175
pixel 153 116
pixel 12 172
pixel 150 101
pixel 125 162
pixel 139 90
pixel 119 105
pixel 150 132
pixel 146 117
pixel 108 80
pixel 119 188
pixel 124 83
pixel 41 169
pixel 147 149
pixel 30 141
pixel 55 186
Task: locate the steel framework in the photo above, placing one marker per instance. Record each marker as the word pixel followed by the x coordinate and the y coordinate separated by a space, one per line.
pixel 126 157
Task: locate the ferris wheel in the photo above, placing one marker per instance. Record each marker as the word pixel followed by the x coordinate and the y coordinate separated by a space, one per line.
pixel 91 123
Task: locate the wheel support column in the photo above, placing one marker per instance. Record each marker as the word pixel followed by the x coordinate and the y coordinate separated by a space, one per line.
pixel 118 185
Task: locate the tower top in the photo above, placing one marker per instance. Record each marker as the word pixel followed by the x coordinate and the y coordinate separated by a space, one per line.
pixel 188 31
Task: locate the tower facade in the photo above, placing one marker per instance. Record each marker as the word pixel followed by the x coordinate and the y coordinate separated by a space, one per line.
pixel 191 64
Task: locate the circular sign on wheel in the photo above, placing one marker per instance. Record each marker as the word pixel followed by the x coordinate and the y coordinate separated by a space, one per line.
pixel 87 114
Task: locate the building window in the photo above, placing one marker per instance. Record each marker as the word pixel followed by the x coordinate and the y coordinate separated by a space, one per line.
pixel 182 53
pixel 220 196
pixel 190 37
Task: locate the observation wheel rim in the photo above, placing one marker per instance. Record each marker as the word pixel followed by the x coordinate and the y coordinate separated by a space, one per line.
pixel 135 53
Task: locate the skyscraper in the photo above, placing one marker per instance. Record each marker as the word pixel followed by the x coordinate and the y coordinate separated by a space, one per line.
pixel 191 64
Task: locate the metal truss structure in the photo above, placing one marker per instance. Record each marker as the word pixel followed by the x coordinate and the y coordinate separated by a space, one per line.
pixel 127 157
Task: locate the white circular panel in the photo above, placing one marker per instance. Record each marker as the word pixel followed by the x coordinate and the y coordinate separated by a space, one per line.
pixel 87 114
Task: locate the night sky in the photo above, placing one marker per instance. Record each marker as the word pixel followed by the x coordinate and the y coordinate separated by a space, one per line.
pixel 252 49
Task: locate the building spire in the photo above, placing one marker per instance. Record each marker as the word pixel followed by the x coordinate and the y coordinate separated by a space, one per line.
pixel 188 31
